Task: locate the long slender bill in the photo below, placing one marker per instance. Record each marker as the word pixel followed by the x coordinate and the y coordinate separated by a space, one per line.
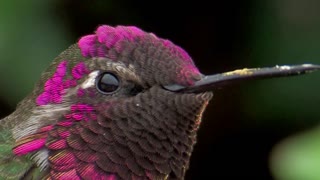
pixel 209 82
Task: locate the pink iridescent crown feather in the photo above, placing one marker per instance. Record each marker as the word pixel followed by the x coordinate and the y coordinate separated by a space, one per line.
pixel 108 37
pixel 111 37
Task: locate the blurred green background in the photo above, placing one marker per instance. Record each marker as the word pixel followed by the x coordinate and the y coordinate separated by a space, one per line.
pixel 246 125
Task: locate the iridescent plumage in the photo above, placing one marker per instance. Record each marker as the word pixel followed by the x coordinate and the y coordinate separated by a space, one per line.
pixel 120 104
pixel 67 129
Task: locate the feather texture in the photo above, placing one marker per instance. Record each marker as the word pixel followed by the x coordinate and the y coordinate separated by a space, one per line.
pixel 67 129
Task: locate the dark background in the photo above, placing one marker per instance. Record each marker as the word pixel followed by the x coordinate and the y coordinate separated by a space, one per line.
pixel 244 121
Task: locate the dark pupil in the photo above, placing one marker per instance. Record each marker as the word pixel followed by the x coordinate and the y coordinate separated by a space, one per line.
pixel 108 83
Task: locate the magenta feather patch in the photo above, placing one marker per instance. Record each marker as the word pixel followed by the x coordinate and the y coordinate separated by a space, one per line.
pixel 29 147
pixel 81 112
pixel 107 37
pixel 55 87
pixel 32 142
pixel 79 70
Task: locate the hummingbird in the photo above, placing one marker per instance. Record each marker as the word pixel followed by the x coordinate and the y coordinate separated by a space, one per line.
pixel 121 103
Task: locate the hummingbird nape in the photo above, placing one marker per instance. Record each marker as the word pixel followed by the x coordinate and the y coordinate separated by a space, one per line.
pixel 119 104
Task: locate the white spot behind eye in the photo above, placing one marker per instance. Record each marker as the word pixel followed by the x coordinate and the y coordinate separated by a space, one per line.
pixel 90 82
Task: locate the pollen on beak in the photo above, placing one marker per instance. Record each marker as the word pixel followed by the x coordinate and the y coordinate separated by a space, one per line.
pixel 209 82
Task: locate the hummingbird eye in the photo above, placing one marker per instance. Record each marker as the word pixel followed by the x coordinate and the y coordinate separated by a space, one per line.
pixel 107 83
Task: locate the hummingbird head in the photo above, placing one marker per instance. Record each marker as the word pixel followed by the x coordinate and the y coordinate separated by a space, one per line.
pixel 104 109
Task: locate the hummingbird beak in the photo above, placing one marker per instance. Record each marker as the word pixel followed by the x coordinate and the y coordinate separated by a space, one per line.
pixel 207 83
